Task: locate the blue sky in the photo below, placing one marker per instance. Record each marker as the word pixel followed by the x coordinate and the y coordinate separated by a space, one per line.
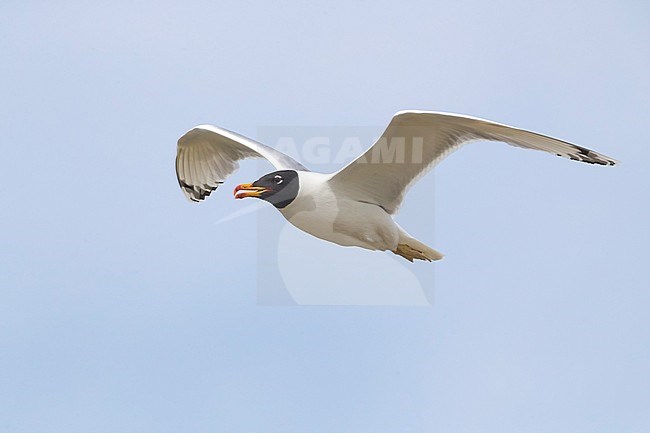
pixel 124 308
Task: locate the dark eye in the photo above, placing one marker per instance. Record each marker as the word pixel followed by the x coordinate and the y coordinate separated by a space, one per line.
pixel 278 179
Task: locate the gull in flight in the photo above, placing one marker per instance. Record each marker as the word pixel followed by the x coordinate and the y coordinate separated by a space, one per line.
pixel 355 205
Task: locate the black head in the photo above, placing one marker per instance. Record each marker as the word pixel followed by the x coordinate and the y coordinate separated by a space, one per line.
pixel 278 188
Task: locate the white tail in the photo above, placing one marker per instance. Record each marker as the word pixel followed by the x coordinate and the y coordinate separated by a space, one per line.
pixel 411 248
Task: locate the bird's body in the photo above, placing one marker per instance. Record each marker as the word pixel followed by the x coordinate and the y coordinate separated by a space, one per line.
pixel 355 205
pixel 325 212
pixel 321 212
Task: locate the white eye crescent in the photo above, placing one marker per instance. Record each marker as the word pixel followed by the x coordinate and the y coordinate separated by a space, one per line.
pixel 278 179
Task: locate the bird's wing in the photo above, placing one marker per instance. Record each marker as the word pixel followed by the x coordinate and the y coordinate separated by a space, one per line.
pixel 207 155
pixel 415 141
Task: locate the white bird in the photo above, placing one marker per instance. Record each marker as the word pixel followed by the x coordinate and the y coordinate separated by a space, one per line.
pixel 355 205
